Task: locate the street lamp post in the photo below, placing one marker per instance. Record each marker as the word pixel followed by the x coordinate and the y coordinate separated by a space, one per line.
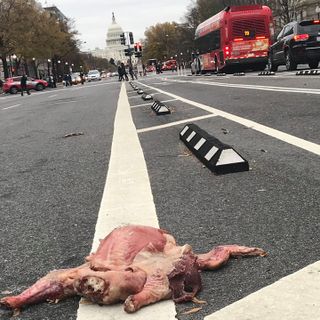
pixel 49 60
pixel 58 70
pixel 35 67
pixel 13 64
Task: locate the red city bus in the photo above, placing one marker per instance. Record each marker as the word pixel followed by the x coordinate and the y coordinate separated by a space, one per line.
pixel 238 36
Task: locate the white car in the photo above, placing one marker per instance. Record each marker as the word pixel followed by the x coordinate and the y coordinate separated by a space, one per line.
pixel 94 75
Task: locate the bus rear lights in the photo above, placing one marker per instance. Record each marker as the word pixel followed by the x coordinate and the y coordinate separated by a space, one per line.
pixel 227 52
pixel 260 37
pixel 301 37
pixel 238 39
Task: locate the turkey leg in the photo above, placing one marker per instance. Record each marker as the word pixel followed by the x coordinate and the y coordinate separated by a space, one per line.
pixel 220 255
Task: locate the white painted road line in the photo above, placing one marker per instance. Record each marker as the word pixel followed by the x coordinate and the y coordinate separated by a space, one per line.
pixel 148 104
pixel 298 142
pixel 127 199
pixel 295 297
pixel 54 95
pixel 252 87
pixel 14 106
pixel 176 123
pixel 141 105
pixel 65 102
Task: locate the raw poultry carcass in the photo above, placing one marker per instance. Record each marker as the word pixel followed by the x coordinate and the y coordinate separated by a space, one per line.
pixel 139 265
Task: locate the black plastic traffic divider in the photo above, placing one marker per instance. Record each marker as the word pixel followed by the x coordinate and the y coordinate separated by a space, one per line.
pixel 239 74
pixel 147 96
pixel 308 73
pixel 219 157
pixel 159 108
pixel 266 73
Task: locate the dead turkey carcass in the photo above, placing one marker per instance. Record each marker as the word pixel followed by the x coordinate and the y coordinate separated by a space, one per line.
pixel 139 265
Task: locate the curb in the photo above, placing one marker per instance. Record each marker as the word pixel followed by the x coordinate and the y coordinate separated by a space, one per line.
pixel 220 158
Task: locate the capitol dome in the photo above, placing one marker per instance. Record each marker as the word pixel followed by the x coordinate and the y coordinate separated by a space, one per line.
pixel 114 48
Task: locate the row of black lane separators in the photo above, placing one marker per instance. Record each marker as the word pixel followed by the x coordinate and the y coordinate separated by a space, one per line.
pixel 157 106
pixel 315 72
pixel 217 156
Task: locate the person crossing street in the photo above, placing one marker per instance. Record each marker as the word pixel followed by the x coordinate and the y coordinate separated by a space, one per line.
pixel 23 84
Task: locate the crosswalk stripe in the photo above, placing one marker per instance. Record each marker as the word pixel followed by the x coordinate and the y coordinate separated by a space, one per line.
pixel 127 199
pixel 295 297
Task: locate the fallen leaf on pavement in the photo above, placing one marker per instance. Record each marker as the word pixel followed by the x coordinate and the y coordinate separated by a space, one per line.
pixel 193 310
pixel 196 300
pixel 74 134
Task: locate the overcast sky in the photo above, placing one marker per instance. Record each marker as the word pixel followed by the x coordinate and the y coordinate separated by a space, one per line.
pixel 93 17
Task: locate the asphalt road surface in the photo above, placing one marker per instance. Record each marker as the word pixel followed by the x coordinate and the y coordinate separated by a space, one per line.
pixel 51 186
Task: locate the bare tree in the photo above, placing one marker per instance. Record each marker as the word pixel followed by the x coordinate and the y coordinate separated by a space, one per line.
pixel 285 10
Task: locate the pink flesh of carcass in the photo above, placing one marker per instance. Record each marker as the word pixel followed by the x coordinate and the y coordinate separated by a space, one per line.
pixel 139 265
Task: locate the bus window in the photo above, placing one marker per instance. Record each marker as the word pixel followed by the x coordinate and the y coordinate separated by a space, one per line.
pixel 209 42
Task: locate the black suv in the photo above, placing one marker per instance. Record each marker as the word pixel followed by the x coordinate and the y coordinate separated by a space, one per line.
pixel 298 42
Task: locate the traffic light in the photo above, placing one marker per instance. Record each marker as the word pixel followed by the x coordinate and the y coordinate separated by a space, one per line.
pixel 131 38
pixel 128 52
pixel 122 39
pixel 138 50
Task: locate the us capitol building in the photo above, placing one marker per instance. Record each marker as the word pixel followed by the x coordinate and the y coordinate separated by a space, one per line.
pixel 114 49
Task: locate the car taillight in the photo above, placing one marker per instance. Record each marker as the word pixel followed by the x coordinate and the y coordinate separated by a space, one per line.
pixel 238 39
pixel 316 21
pixel 301 37
pixel 226 51
pixel 260 37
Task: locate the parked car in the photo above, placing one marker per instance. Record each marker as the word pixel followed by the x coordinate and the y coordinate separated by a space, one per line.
pixel 94 75
pixel 297 42
pixel 75 78
pixel 169 65
pixel 12 85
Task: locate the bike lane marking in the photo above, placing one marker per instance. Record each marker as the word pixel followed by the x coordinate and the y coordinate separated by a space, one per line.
pixel 175 123
pixel 251 87
pixel 14 106
pixel 294 297
pixel 280 135
pixel 127 199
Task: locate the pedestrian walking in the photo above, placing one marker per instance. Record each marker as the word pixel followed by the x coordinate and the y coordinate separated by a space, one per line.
pixel 131 72
pixel 1 85
pixel 23 84
pixel 120 73
pixel 66 80
pixel 124 71
pixel 82 78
